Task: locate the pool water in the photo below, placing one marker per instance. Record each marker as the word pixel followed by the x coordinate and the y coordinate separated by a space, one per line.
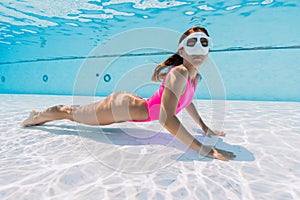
pixel 76 52
pixel 44 45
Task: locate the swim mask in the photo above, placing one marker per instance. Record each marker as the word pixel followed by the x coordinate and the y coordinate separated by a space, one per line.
pixel 197 43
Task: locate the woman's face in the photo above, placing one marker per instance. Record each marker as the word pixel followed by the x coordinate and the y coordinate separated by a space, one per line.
pixel 195 48
pixel 195 60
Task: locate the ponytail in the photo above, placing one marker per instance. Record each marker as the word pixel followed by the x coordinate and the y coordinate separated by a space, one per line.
pixel 171 62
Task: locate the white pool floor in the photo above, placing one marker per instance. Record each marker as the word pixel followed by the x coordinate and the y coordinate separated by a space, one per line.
pixel 65 160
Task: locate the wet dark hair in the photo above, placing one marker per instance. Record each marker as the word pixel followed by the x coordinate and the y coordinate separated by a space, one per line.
pixel 175 59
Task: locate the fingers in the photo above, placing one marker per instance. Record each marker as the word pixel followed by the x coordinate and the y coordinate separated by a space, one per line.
pixel 218 133
pixel 226 154
pixel 222 154
pixel 221 157
pixel 222 134
pixel 209 133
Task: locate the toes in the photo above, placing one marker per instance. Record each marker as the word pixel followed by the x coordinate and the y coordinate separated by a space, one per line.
pixel 30 120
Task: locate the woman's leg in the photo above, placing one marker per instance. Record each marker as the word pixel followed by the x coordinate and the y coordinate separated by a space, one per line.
pixel 53 113
pixel 120 107
pixel 117 107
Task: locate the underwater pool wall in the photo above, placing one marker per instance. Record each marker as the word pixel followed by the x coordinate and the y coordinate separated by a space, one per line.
pixel 269 75
pixel 44 47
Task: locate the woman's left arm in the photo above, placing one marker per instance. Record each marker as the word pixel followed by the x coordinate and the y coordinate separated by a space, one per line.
pixel 191 109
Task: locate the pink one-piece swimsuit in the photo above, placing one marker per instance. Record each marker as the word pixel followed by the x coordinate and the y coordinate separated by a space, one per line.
pixel 153 103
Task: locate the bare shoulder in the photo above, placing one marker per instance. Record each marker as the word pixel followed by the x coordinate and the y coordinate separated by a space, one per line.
pixel 180 69
pixel 178 73
pixel 176 80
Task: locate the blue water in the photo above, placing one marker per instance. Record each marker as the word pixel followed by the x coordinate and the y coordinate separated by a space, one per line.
pixel 44 45
pixel 85 47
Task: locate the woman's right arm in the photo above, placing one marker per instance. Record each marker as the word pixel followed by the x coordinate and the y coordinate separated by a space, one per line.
pixel 174 87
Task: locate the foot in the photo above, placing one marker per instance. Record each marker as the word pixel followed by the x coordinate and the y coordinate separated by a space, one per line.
pixel 34 119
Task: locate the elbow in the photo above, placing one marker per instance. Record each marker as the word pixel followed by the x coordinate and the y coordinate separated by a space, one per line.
pixel 166 120
pixel 163 122
pixel 163 116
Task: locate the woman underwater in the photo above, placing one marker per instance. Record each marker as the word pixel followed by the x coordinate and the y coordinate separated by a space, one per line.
pixel 175 93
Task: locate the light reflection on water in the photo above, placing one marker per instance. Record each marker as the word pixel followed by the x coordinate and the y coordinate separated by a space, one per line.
pixel 36 15
pixel 35 29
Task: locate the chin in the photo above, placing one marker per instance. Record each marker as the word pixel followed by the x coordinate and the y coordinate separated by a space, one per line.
pixel 198 64
pixel 198 61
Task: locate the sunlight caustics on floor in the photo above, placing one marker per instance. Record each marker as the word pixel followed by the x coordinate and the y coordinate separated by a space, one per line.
pixel 63 159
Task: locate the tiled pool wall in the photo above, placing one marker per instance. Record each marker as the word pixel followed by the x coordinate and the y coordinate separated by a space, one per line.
pixel 43 46
pixel 271 75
